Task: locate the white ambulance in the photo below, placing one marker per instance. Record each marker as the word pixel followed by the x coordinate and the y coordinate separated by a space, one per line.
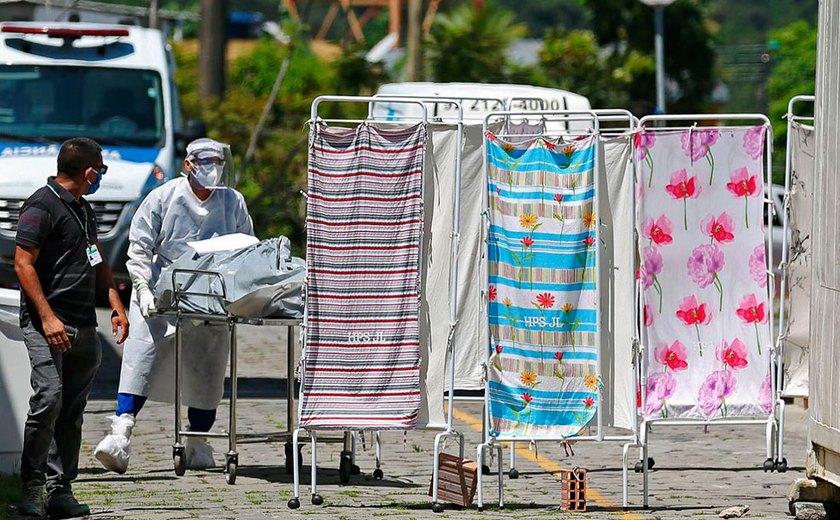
pixel 477 99
pixel 112 83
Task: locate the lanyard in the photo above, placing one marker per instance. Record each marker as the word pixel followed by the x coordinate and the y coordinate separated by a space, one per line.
pixel 75 217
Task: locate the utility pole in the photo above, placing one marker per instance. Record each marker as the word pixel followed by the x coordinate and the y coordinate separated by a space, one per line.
pixel 212 52
pixel 153 14
pixel 415 35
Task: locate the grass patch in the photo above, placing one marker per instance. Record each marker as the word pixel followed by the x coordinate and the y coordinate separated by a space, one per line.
pixel 256 497
pixel 352 493
pixel 10 488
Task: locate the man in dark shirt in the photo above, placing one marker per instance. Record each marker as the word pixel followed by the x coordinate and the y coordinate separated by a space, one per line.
pixel 61 270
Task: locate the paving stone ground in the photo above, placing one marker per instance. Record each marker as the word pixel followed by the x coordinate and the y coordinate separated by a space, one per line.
pixel 696 474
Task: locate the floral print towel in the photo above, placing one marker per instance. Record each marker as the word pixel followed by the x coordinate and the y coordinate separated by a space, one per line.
pixel 543 316
pixel 703 272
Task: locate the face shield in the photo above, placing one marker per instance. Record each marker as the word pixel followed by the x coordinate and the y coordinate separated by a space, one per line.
pixel 211 163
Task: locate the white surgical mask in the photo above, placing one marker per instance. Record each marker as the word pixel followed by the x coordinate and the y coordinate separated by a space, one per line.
pixel 207 176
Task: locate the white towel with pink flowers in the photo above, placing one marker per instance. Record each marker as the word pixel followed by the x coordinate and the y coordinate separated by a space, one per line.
pixel 703 273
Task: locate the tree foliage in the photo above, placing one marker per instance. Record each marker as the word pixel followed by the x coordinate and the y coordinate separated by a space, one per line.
pixel 573 61
pixel 624 27
pixel 794 71
pixel 468 44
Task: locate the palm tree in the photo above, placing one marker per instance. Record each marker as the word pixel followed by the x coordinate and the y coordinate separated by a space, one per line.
pixel 469 44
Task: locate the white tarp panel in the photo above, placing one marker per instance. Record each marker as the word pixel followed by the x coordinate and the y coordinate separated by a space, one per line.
pixel 617 327
pixel 438 205
pixel 469 350
pixel 799 263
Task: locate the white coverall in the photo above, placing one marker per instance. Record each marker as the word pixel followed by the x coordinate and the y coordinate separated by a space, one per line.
pixel 167 219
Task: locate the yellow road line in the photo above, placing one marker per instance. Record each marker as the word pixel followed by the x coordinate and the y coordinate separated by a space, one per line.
pixel 548 465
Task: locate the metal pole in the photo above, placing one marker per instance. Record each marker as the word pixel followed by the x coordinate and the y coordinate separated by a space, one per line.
pixel 659 47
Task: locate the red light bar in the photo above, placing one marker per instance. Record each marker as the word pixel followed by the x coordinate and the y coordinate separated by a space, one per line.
pixel 60 32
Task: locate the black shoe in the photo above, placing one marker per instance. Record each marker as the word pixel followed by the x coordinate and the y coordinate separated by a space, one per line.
pixel 63 504
pixel 32 503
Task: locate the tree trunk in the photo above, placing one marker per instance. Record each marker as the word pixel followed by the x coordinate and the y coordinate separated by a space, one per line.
pixel 212 51
pixel 415 35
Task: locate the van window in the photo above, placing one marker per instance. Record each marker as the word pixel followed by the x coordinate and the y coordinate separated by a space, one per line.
pixel 53 103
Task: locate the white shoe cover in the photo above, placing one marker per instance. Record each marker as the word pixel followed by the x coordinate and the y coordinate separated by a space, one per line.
pixel 114 450
pixel 199 453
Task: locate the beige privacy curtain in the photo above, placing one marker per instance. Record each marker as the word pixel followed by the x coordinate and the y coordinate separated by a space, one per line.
pixel 438 204
pixel 617 302
pixel 799 263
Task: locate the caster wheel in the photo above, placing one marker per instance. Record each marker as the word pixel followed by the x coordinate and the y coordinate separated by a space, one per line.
pixel 485 469
pixel 638 466
pixel 294 503
pixel 317 500
pixel 345 470
pixel 179 461
pixel 513 473
pixel 230 472
pixel 437 507
pixel 378 474
pixel 781 466
pixel 356 470
pixel 768 465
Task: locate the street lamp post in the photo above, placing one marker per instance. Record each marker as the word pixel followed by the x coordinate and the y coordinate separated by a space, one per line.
pixel 659 48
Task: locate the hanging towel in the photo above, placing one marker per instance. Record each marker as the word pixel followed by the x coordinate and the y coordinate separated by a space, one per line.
pixel 700 222
pixel 543 373
pixel 364 226
pixel 799 262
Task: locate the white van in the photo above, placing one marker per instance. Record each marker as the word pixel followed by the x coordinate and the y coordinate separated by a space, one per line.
pixel 478 99
pixel 112 83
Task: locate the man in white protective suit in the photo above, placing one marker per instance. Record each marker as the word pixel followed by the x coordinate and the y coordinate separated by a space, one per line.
pixel 196 206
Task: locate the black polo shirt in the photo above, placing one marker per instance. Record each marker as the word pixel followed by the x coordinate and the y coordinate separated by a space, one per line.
pixel 50 220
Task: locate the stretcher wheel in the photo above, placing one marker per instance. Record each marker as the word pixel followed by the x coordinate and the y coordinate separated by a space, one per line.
pixel 345 469
pixel 317 500
pixel 638 467
pixel 437 507
pixel 179 461
pixel 230 472
pixel 485 469
pixel 294 503
pixel 378 474
pixel 513 473
pixel 356 470
pixel 768 465
pixel 781 466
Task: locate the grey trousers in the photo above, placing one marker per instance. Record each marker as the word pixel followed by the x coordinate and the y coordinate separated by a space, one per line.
pixel 61 382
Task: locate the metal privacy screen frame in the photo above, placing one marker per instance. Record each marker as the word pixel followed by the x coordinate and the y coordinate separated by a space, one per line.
pixel 315 120
pixel 490 440
pixel 770 422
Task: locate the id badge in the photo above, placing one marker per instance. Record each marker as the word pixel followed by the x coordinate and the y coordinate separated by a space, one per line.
pixel 93 255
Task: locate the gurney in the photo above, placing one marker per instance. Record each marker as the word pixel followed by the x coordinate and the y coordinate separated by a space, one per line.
pixel 260 285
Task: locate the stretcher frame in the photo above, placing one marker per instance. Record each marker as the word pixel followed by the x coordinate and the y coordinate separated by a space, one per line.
pixel 609 116
pixel 770 423
pixel 492 442
pixel 348 439
pixel 233 436
pixel 780 461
